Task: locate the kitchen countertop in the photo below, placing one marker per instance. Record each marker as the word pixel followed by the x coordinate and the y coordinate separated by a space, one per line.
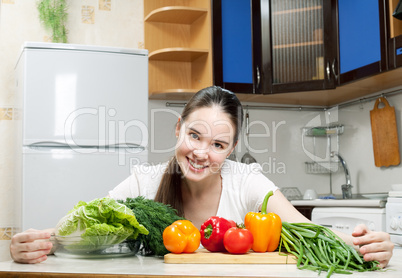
pixel 374 203
pixel 140 266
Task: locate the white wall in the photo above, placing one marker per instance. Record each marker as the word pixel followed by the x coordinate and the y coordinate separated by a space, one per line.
pixel 275 142
pixel 357 148
pixel 287 150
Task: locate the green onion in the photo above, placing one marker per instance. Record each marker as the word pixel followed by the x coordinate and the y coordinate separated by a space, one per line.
pixel 319 249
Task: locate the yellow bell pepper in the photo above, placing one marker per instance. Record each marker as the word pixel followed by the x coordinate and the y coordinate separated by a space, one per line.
pixel 265 227
pixel 181 237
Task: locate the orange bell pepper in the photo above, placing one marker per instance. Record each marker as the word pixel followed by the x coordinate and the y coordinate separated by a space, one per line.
pixel 265 227
pixel 181 237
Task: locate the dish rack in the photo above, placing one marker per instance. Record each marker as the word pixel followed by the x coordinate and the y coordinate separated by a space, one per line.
pixel 291 193
pixel 321 167
pixel 328 134
pixel 319 131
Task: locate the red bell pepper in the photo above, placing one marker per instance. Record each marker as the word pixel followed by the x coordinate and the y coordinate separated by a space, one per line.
pixel 212 232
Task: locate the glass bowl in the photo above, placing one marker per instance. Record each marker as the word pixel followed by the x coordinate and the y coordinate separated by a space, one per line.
pixel 93 247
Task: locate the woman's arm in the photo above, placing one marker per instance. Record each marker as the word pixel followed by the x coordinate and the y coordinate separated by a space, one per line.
pixel 374 246
pixel 31 246
pixel 286 211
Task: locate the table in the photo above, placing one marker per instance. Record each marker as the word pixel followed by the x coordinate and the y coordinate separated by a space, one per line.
pixel 140 266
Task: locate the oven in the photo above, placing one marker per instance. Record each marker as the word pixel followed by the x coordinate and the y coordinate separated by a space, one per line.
pixel 345 219
pixel 394 217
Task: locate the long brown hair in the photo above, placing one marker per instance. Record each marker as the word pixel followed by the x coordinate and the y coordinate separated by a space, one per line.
pixel 169 191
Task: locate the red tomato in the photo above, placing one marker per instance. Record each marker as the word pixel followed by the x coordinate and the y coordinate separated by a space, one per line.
pixel 238 240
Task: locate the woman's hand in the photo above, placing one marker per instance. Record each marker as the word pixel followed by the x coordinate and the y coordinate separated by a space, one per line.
pixel 374 246
pixel 31 246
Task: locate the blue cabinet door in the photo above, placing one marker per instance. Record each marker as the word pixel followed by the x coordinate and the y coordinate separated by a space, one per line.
pixel 237 51
pixel 361 40
pixel 234 44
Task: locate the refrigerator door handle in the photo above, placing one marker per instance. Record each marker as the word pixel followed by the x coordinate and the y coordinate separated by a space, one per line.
pixel 54 144
pixel 127 145
pixel 48 144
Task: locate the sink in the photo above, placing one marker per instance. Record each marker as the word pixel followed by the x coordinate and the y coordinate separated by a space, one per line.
pixel 362 196
pixel 377 200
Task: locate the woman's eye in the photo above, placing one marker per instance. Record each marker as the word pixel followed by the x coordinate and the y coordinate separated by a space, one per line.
pixel 194 135
pixel 218 146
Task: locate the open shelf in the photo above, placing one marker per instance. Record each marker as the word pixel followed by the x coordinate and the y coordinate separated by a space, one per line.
pixel 176 14
pixel 178 90
pixel 173 94
pixel 395 24
pixel 182 54
pixel 178 37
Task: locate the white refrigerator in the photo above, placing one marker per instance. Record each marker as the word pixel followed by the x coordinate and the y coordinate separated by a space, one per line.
pixel 82 123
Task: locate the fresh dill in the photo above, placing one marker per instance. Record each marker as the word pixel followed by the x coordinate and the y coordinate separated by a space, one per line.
pixel 155 217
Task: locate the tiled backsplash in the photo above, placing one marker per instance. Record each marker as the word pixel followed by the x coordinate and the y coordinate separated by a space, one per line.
pixel 6 113
pixel 6 233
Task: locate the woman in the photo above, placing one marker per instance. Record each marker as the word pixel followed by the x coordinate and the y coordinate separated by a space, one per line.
pixel 200 182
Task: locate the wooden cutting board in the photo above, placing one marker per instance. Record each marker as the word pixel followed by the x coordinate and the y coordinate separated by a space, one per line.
pixel 385 134
pixel 203 256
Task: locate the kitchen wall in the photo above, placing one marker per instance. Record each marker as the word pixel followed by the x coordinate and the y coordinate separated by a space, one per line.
pixel 96 22
pixel 277 142
pixel 357 149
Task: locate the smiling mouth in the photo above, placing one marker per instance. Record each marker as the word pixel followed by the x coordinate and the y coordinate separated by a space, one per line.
pixel 196 166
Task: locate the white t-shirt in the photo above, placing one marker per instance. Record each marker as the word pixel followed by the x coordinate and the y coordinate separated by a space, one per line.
pixel 243 187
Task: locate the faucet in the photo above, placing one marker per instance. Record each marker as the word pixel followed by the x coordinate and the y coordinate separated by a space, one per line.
pixel 347 187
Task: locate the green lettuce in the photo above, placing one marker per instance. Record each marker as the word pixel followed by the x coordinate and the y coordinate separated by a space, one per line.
pixel 100 222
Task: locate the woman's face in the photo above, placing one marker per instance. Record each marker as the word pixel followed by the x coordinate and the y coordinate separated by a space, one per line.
pixel 205 139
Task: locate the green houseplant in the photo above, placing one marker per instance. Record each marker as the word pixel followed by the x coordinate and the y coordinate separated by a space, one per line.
pixel 53 15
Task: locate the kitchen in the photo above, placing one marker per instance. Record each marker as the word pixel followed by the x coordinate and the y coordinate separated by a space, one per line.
pixel 285 159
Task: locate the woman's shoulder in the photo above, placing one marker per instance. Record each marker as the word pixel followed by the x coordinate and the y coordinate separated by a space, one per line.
pixel 238 168
pixel 240 174
pixel 246 181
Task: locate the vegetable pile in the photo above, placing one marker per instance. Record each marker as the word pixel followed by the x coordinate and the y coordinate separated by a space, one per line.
pixel 155 217
pixel 318 248
pixel 219 235
pixel 100 222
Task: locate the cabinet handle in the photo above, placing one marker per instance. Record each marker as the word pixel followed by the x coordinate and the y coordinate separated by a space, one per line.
pixel 328 71
pixel 333 70
pixel 258 77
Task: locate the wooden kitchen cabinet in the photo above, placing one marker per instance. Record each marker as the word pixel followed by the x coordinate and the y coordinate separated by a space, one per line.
pixel 302 53
pixel 297 46
pixel 288 46
pixel 395 36
pixel 318 44
pixel 305 210
pixel 271 51
pixel 178 37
